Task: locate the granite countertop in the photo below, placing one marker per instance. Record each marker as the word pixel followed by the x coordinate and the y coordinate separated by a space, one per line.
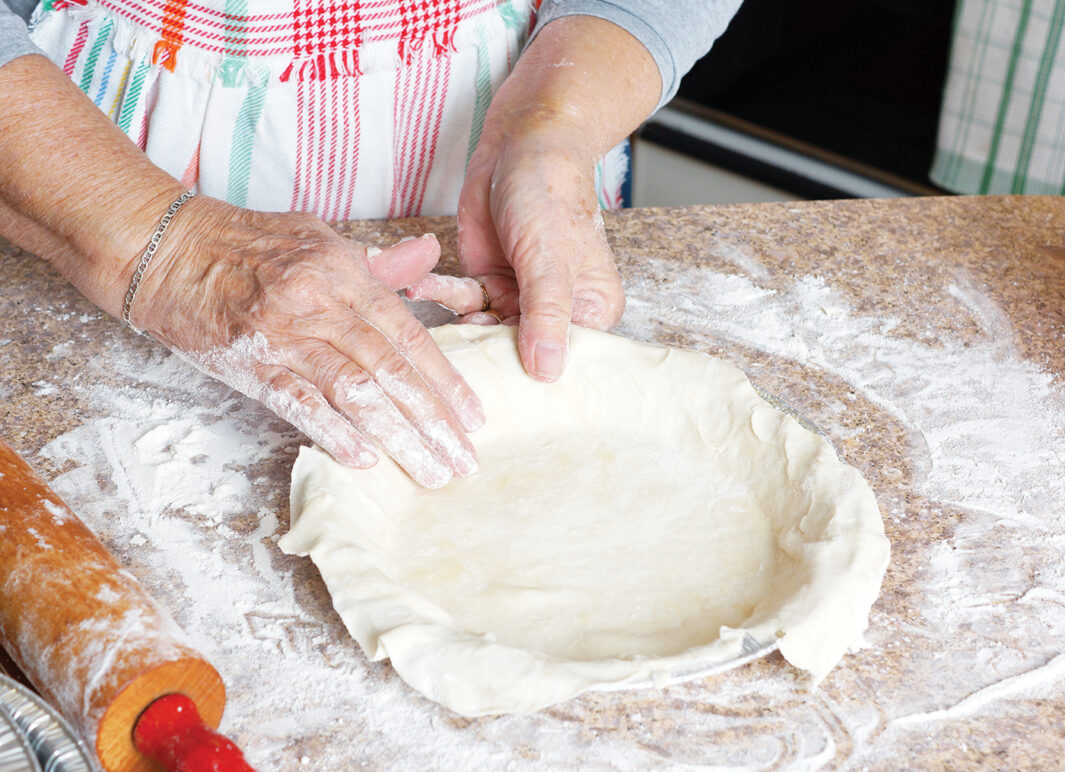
pixel 923 336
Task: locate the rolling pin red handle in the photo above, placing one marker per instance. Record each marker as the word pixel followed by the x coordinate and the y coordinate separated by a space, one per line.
pixel 171 731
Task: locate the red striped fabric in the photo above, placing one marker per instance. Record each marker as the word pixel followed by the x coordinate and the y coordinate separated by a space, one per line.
pixel 299 189
pixel 192 171
pixel 312 27
pixel 327 145
pixel 326 104
pixel 419 106
pixel 75 50
pixel 352 127
pixel 328 141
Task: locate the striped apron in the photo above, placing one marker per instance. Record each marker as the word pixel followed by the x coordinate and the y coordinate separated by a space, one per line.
pixel 348 109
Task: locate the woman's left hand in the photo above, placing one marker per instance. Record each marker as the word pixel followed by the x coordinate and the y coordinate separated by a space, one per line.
pixel 529 222
pixel 530 229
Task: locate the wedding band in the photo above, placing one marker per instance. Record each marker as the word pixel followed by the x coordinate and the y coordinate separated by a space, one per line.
pixel 493 312
pixel 486 303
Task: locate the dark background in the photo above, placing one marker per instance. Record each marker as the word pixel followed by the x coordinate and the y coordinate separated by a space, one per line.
pixel 862 78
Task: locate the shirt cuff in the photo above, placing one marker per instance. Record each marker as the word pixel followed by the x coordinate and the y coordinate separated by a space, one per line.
pixel 14 38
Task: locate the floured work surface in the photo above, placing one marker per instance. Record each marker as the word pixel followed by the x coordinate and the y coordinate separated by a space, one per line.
pixel 645 517
pixel 916 332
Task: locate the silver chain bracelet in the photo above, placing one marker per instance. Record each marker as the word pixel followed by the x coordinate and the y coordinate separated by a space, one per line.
pixel 149 253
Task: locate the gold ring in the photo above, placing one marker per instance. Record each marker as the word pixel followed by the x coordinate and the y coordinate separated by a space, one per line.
pixel 493 312
pixel 487 302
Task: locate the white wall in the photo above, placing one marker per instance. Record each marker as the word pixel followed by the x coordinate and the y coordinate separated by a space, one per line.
pixel 662 177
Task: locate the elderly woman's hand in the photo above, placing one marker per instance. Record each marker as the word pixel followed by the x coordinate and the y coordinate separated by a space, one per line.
pixel 530 228
pixel 277 305
pixel 529 222
pixel 284 310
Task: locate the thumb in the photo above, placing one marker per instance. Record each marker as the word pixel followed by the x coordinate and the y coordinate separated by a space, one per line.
pixel 546 299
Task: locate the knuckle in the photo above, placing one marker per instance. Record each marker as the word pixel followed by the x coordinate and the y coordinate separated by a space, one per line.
pixel 411 337
pixel 392 367
pixel 551 273
pixel 546 310
pixel 288 395
pixel 301 223
pixel 299 285
pixel 355 388
pixel 337 376
pixel 289 384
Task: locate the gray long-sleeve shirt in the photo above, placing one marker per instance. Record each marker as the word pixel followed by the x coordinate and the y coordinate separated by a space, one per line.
pixel 675 32
pixel 14 38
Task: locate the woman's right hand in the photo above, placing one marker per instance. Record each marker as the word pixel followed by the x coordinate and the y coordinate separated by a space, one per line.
pixel 277 305
pixel 281 308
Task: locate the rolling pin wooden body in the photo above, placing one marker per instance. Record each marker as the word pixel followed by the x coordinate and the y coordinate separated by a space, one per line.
pixel 82 629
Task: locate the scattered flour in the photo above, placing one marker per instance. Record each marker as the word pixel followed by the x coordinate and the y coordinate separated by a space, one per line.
pixel 180 477
pixel 986 430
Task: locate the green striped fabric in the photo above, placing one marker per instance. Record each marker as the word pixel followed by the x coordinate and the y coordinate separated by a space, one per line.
pixel 119 92
pixel 483 86
pixel 103 34
pixel 515 20
pixel 1002 125
pixel 240 149
pixel 236 30
pixel 234 74
pixel 133 94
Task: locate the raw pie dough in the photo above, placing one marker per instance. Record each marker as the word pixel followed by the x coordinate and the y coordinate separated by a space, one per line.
pixel 646 518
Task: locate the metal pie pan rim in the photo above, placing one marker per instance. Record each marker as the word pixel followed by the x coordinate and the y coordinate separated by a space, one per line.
pixel 68 752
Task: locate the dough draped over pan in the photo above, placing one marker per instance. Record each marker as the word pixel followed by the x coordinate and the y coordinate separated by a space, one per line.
pixel 646 518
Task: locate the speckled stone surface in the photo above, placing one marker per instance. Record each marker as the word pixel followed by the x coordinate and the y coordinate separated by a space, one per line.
pixel 962 667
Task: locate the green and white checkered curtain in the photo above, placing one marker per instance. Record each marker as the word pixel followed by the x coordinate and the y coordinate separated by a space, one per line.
pixel 1002 124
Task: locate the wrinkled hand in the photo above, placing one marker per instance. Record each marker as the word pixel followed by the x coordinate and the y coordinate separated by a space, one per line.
pixel 286 311
pixel 529 221
pixel 530 229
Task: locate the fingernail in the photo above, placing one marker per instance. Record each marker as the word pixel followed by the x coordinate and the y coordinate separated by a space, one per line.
pixel 480 318
pixel 548 360
pixel 465 463
pixel 422 465
pixel 471 414
pixel 435 477
pixel 366 459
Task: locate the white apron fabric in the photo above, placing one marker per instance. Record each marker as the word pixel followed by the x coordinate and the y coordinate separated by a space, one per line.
pixel 349 109
pixel 345 109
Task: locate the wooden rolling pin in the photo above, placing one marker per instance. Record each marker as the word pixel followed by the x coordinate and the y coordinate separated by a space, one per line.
pixel 95 644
